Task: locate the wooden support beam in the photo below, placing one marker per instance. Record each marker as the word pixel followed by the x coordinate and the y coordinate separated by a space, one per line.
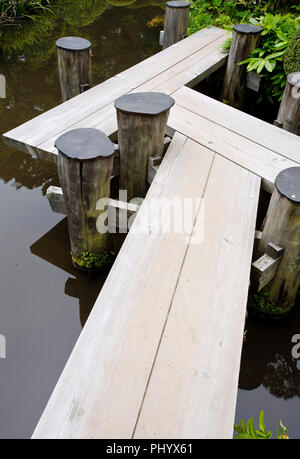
pixel 74 66
pixel 85 162
pixel 176 22
pixel 282 229
pixel 245 39
pixel 289 111
pixel 254 81
pixel 56 200
pixel 142 120
pixel 264 269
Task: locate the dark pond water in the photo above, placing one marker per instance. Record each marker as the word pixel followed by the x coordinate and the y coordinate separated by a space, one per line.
pixel 44 301
pixel 270 376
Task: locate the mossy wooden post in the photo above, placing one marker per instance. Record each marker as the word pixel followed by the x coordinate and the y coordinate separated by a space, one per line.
pixel 289 112
pixel 176 22
pixel 85 162
pixel 142 121
pixel 74 66
pixel 244 40
pixel 282 228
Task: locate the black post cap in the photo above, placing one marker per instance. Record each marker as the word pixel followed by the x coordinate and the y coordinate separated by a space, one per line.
pixel 247 28
pixel 144 103
pixel 288 184
pixel 73 43
pixel 178 4
pixel 85 143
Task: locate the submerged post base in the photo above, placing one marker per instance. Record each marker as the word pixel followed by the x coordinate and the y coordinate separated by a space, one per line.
pixel 260 306
pixel 93 261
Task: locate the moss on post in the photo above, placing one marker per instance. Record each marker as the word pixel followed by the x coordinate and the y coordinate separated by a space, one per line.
pixel 282 228
pixel 85 163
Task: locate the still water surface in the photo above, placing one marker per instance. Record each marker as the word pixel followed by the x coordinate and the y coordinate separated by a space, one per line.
pixel 44 301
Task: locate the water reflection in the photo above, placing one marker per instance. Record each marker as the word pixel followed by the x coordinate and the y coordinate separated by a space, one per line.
pixel 20 169
pixel 32 37
pixel 267 357
pixel 54 247
pixel 40 289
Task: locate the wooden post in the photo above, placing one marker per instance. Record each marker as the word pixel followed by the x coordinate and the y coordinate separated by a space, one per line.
pixel 176 22
pixel 142 120
pixel 282 230
pixel 244 40
pixel 289 112
pixel 85 162
pixel 74 66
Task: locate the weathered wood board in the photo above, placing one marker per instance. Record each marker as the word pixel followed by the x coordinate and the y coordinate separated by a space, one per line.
pixel 101 389
pixel 193 385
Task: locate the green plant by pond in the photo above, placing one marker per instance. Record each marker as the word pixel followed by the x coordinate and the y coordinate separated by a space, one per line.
pixel 259 304
pixel 280 23
pixel 249 432
pixel 278 34
pixel 89 260
pixel 291 62
pixel 14 11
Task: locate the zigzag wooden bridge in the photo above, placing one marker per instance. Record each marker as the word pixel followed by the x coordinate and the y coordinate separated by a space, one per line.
pixel 160 353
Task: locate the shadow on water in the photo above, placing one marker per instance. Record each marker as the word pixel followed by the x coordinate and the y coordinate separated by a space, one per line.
pixel 44 301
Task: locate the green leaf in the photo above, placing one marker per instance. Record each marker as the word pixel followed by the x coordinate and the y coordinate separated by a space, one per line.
pixel 261 66
pixel 261 422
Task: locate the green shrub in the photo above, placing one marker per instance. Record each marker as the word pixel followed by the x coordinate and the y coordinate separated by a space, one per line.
pixel 12 11
pixel 279 32
pixel 291 61
pixel 249 432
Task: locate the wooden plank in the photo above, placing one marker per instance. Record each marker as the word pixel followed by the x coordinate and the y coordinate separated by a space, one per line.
pixel 54 121
pixel 101 388
pixel 258 131
pixel 193 387
pixel 189 71
pixel 242 151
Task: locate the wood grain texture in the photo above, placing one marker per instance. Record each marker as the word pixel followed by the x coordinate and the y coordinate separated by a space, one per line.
pixel 234 87
pixel 139 137
pixel 193 386
pixel 64 116
pixel 176 23
pixel 240 150
pixel 282 228
pixel 254 129
pixel 101 388
pixel 83 184
pixel 289 111
pixel 75 70
pixel 190 70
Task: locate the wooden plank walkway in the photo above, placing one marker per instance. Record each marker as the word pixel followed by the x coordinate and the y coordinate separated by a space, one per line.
pixel 188 61
pixel 109 384
pixel 159 355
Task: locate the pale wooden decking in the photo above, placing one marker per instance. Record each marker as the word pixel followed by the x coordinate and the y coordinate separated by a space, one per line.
pixel 159 356
pixel 186 62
